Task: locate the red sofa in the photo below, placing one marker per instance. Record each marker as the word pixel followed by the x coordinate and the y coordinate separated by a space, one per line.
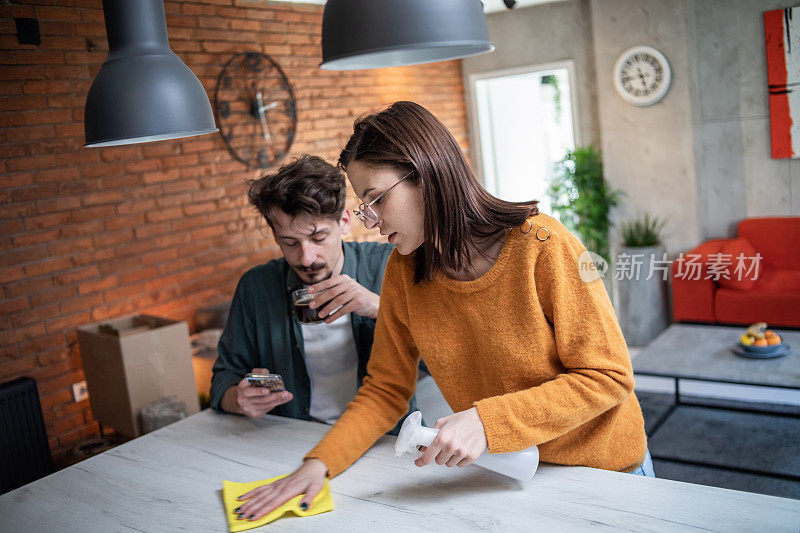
pixel 769 292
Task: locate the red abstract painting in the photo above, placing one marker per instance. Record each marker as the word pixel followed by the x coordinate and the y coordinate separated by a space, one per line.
pixel 783 76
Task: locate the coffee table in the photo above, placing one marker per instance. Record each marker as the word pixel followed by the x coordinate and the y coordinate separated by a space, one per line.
pixel 704 353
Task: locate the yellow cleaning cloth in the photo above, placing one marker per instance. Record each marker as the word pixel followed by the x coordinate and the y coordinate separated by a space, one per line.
pixel 231 490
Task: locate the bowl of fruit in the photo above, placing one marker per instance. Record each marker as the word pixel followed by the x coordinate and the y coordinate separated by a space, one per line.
pixel 760 342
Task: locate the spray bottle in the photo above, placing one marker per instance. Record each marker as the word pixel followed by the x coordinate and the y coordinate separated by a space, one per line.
pixel 519 465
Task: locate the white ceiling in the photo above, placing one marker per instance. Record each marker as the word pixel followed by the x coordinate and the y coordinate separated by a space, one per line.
pixel 489 6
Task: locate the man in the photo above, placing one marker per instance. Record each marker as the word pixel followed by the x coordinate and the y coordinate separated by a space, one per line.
pixel 322 364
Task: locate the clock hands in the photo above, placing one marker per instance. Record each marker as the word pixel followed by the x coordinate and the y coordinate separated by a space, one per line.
pixel 260 108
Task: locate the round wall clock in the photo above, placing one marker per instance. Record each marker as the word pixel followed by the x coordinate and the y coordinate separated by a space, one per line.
pixel 255 109
pixel 642 75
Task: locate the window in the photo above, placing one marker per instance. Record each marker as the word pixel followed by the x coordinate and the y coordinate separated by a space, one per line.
pixel 523 124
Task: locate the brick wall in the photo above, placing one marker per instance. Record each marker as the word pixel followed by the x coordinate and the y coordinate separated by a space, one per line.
pixel 162 228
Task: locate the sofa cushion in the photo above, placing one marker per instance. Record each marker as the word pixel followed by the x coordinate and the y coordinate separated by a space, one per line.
pixel 776 239
pixel 776 304
pixel 742 267
pixel 782 281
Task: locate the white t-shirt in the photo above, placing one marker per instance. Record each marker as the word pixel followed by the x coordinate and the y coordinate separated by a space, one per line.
pixel 332 364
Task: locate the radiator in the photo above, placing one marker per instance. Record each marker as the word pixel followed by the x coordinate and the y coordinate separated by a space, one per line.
pixel 24 452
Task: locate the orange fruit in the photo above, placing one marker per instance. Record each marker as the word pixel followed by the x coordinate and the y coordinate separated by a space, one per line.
pixel 773 340
pixel 760 342
pixel 770 333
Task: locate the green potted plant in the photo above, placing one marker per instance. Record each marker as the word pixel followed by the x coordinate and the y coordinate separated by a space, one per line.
pixel 641 287
pixel 582 200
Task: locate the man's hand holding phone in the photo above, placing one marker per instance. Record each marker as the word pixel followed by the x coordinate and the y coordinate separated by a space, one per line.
pixel 258 395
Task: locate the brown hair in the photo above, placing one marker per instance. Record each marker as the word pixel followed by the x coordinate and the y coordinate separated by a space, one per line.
pixel 307 186
pixel 459 213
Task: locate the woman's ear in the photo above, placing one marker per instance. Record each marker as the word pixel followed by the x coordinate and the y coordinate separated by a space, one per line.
pixel 344 222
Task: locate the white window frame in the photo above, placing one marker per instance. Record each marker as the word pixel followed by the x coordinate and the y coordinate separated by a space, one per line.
pixel 472 104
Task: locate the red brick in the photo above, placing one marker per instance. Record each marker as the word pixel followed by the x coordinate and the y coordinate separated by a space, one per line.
pixel 30 132
pixel 52 295
pixel 65 130
pixel 80 303
pixel 21 103
pixel 114 237
pixel 123 292
pixel 49 117
pixel 58 13
pixel 66 100
pixel 84 228
pixel 129 221
pixel 25 333
pixel 147 231
pixel 20 303
pixel 163 214
pixel 37 315
pixel 76 274
pixel 159 256
pixel 68 322
pixel 59 397
pixel 54 205
pixel 47 267
pixel 161 175
pixel 84 58
pixel 52 42
pixel 23 72
pixel 66 72
pixel 48 87
pixel 39 57
pixel 11 274
pixel 60 174
pixel 105 197
pixel 22 256
pixel 30 163
pixel 30 239
pixel 88 287
pixel 17 367
pixel 46 221
pixel 7 227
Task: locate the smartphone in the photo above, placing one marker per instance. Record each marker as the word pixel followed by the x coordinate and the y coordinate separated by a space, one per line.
pixel 273 382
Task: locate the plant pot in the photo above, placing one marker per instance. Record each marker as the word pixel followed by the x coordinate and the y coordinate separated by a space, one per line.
pixel 642 302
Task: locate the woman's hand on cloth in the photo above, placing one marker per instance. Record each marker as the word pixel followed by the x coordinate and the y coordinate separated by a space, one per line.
pixel 308 479
pixel 460 441
pixel 342 294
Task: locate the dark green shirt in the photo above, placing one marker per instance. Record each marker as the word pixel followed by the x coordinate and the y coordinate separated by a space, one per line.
pixel 262 331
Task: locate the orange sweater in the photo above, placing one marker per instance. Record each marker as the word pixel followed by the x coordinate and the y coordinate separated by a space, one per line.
pixel 537 350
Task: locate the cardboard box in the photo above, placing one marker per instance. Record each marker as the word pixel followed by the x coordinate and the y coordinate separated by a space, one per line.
pixel 132 361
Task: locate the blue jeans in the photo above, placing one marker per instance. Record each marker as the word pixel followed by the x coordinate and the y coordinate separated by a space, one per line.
pixel 647 467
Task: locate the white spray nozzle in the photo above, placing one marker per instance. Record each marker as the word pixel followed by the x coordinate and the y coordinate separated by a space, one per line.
pixel 413 434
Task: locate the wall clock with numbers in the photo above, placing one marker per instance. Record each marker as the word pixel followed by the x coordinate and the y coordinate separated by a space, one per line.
pixel 255 109
pixel 642 75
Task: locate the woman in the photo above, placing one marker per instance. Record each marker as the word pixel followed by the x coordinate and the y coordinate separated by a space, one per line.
pixel 488 293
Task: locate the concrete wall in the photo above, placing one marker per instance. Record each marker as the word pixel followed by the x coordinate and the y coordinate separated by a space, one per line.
pixel 544 34
pixel 701 157
pixel 648 152
pixel 737 176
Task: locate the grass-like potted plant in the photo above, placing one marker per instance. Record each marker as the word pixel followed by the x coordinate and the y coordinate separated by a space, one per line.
pixel 582 200
pixel 641 284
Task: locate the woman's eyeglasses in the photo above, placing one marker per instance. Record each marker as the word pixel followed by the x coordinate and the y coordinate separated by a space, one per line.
pixel 365 213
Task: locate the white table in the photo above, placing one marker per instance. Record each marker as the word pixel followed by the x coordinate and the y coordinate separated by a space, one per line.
pixel 171 480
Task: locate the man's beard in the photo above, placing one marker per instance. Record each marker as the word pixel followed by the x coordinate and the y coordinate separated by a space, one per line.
pixel 313 274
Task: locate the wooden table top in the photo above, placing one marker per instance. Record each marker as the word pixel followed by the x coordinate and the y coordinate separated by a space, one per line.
pixel 171 480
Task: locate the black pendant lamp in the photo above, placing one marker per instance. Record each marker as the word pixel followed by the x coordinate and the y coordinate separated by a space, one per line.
pixel 362 34
pixel 143 91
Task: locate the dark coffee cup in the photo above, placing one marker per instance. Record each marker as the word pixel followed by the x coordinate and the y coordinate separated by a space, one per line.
pixel 300 300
